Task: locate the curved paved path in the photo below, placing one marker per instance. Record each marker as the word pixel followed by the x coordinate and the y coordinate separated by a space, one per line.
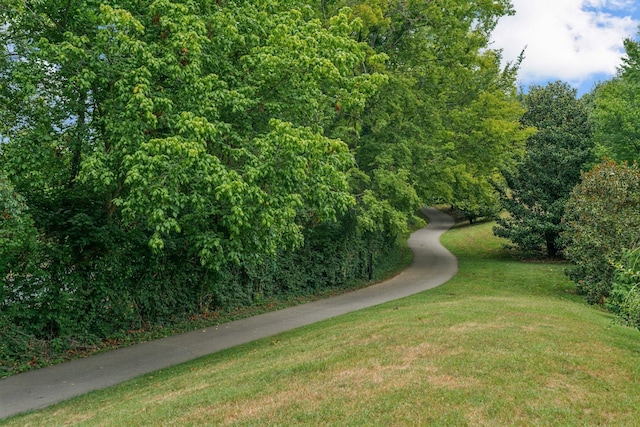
pixel 432 266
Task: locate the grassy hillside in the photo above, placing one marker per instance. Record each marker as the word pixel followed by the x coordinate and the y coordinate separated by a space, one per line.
pixel 504 343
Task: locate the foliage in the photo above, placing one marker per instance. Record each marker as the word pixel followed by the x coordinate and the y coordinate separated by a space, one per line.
pixel 616 109
pixel 446 120
pixel 76 320
pixel 193 126
pixel 178 157
pixel 602 220
pixel 180 132
pixel 18 236
pixel 537 191
pixel 625 292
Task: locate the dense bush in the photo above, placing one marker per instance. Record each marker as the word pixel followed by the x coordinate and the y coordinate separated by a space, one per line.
pixel 602 220
pixel 127 287
pixel 625 293
pixel 18 236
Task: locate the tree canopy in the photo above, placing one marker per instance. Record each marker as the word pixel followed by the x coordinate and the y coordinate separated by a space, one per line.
pixel 446 121
pixel 185 117
pixel 616 109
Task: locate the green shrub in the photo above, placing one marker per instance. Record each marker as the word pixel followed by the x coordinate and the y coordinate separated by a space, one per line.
pixel 93 282
pixel 18 236
pixel 602 220
pixel 625 293
pixel 18 349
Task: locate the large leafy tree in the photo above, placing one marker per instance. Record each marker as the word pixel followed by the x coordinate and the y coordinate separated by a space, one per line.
pixel 538 190
pixel 617 107
pixel 198 119
pixel 446 122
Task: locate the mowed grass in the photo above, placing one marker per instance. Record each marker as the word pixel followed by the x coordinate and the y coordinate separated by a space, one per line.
pixel 503 343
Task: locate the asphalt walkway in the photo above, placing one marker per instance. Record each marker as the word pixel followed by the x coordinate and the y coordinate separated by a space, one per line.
pixel 433 265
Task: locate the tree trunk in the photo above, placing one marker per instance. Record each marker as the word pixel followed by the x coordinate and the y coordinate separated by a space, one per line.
pixel 552 249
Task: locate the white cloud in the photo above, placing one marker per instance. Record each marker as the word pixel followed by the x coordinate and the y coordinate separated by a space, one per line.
pixel 570 40
pixel 621 5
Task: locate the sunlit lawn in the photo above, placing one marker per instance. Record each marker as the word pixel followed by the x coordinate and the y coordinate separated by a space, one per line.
pixel 504 343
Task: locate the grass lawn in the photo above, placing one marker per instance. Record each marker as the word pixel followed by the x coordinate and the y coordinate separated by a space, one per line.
pixel 503 343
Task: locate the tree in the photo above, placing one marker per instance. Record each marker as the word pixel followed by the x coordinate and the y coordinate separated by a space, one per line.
pixel 173 153
pixel 602 222
pixel 616 109
pixel 184 118
pixel 538 189
pixel 446 120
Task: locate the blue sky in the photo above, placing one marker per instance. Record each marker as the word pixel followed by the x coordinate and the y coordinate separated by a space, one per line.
pixel 577 41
